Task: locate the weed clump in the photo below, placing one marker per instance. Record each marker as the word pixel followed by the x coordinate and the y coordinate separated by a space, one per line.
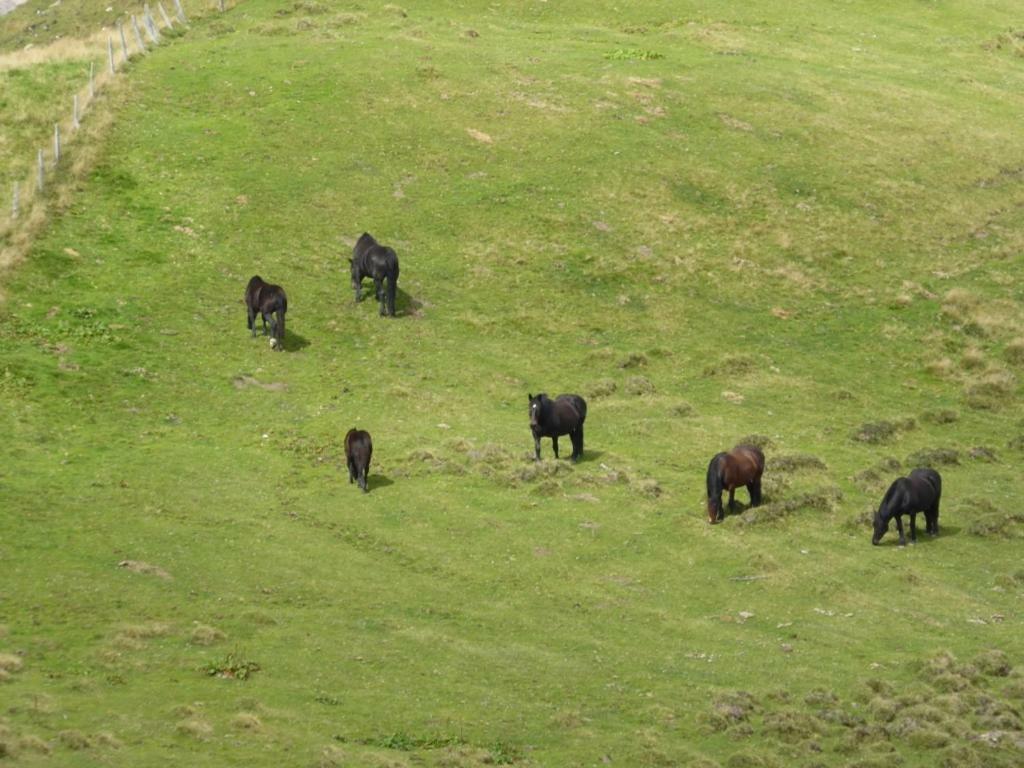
pixel 639 385
pixel 1014 352
pixel 682 410
pixel 633 360
pixel 822 500
pixel 603 388
pixel 795 462
pixel 994 663
pixel 988 521
pixel 731 365
pixel 729 709
pixel 982 453
pixel 204 635
pixel 934 457
pixel 195 728
pixel 758 441
pixel 944 416
pixel 246 721
pixel 875 432
pixel 791 725
pixel 75 740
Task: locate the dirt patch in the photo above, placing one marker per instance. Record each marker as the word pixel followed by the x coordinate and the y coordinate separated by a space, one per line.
pixel 244 382
pixel 146 569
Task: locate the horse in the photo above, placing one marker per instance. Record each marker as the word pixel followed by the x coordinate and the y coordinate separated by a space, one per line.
pixel 920 491
pixel 370 259
pixel 562 416
pixel 743 465
pixel 358 450
pixel 271 303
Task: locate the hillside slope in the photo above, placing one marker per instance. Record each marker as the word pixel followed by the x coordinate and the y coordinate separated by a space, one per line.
pixel 799 226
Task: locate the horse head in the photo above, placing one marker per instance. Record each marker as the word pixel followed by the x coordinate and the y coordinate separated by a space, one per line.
pixel 537 409
pixel 881 525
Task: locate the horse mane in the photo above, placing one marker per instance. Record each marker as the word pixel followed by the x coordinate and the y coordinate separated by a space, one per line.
pixel 715 485
pixel 890 505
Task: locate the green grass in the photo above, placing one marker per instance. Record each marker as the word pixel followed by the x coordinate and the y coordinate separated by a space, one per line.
pixel 780 225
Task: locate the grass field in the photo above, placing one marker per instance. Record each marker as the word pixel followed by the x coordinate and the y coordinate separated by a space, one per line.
pixel 799 224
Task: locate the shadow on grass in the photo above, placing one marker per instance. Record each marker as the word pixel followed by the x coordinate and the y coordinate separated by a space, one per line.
pixel 293 342
pixel 405 305
pixel 589 456
pixel 375 481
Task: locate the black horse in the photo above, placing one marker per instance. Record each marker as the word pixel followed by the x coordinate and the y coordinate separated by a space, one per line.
pixel 370 259
pixel 743 465
pixel 919 491
pixel 271 303
pixel 358 450
pixel 562 416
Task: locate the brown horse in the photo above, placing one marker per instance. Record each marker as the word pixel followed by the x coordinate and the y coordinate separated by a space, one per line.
pixel 743 465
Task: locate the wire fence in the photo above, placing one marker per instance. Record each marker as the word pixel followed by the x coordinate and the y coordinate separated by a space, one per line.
pixel 140 33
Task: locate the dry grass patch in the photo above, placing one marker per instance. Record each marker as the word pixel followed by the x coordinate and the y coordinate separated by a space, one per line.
pixel 205 635
pixel 246 721
pixel 10 663
pixel 194 727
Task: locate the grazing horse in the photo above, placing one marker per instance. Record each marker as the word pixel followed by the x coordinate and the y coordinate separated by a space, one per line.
pixel 743 465
pixel 562 416
pixel 358 450
pixel 270 302
pixel 370 259
pixel 920 491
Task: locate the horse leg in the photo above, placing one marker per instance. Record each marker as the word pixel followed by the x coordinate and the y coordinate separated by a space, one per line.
pixel 732 498
pixel 577 443
pixel 899 527
pixel 378 285
pixel 251 319
pixel 362 480
pixel 933 520
pixel 754 489
pixel 913 527
pixel 536 448
pixel 351 470
pixel 554 444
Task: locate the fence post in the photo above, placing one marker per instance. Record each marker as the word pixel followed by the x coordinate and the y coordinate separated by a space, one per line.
pixel 147 22
pixel 110 54
pixel 221 6
pixel 92 82
pixel 180 11
pixel 167 19
pixel 41 172
pixel 124 44
pixel 74 112
pixel 14 202
pixel 56 143
pixel 138 35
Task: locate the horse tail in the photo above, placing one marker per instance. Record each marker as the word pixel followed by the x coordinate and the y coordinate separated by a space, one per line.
pixel 715 487
pixel 392 289
pixel 282 307
pixel 581 406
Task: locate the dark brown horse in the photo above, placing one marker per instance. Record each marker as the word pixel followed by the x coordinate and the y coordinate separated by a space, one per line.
pixel 920 491
pixel 562 416
pixel 743 465
pixel 358 450
pixel 271 303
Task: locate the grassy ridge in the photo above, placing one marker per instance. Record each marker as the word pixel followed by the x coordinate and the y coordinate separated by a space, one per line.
pixel 785 226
